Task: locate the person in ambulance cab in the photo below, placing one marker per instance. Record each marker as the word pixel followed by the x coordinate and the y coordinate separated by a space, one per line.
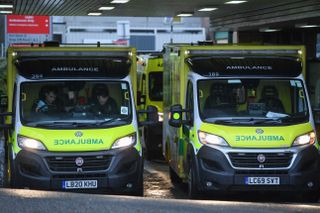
pixel 103 104
pixel 47 100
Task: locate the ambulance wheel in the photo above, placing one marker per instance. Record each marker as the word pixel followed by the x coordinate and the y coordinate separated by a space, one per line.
pixel 139 188
pixel 175 179
pixel 193 191
pixel 167 153
pixel 149 153
pixel 11 174
pixel 2 168
pixel 312 197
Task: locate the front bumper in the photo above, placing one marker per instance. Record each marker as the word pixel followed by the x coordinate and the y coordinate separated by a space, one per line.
pixel 118 171
pixel 215 173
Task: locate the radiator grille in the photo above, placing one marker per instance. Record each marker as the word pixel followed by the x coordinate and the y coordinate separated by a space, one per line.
pixel 250 160
pixel 68 163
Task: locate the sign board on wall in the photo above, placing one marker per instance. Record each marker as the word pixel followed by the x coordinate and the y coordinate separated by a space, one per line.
pixel 24 29
pixel 20 24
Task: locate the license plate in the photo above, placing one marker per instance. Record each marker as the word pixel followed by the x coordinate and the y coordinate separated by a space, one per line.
pixel 262 180
pixel 80 184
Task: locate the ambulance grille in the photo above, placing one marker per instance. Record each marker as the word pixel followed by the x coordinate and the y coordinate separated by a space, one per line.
pixel 68 163
pixel 250 160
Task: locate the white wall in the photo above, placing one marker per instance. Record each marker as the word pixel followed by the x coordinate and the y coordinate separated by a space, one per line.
pixel 80 29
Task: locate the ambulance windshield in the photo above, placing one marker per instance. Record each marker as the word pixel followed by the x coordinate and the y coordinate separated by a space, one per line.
pixel 252 101
pixel 75 104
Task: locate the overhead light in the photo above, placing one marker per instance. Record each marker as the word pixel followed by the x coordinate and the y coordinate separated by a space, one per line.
pixel 268 30
pixel 235 2
pixel 6 6
pixel 5 12
pixel 106 8
pixel 207 9
pixel 185 14
pixel 307 25
pixel 94 14
pixel 119 1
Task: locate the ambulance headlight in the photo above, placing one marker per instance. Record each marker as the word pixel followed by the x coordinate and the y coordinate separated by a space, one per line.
pixel 29 143
pixel 124 142
pixel 160 116
pixel 210 139
pixel 308 138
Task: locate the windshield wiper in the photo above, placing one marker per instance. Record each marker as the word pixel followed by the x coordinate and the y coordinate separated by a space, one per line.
pixel 101 123
pixel 294 119
pixel 61 124
pixel 268 121
pixel 248 121
pixel 233 121
pixel 73 124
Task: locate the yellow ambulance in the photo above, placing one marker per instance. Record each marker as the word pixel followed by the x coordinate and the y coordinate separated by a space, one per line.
pixel 72 120
pixel 150 92
pixel 238 117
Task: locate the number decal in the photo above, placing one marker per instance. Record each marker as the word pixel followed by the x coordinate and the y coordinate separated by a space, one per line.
pixel 36 76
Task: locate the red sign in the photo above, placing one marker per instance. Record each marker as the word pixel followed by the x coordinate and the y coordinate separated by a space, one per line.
pixel 120 42
pixel 21 24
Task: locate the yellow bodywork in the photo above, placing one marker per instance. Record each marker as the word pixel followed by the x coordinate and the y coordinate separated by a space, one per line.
pixel 67 141
pixel 152 65
pixel 247 137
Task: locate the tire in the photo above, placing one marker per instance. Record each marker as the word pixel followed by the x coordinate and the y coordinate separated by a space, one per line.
pixel 149 154
pixel 6 176
pixel 193 191
pixel 2 166
pixel 152 142
pixel 138 191
pixel 11 179
pixel 167 153
pixel 175 179
pixel 310 197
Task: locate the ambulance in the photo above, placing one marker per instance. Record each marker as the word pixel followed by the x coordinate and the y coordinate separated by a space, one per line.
pixel 238 118
pixel 150 92
pixel 65 144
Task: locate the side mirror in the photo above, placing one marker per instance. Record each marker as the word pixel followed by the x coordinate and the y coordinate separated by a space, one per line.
pixel 316 116
pixel 176 115
pixel 152 116
pixel 2 120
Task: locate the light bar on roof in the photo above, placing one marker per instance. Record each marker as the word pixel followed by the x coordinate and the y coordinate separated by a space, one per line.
pixel 243 52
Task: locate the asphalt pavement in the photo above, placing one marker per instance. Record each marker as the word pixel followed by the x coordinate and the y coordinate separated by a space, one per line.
pixel 159 196
pixel 22 200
